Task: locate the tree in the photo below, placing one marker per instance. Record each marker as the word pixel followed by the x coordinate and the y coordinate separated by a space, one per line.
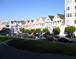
pixel 56 31
pixel 70 30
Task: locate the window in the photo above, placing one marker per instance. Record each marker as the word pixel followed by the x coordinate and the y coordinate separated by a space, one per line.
pixel 28 21
pixel 69 1
pixel 75 21
pixel 32 20
pixel 75 0
pixel 58 21
pixel 75 7
pixel 68 8
pixel 75 14
pixel 70 15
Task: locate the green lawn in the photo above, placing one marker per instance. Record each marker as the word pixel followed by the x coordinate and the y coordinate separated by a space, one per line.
pixel 5 38
pixel 44 46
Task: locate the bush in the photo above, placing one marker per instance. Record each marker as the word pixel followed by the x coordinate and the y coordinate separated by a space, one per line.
pixel 70 30
pixel 30 30
pixel 25 30
pixel 33 30
pixel 38 30
pixel 45 30
pixel 56 31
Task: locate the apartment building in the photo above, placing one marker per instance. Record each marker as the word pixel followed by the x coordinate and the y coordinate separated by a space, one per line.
pixel 70 13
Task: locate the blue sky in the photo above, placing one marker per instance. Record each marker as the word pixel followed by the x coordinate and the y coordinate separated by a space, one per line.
pixel 29 9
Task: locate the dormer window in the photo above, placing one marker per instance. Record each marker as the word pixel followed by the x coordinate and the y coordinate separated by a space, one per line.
pixel 32 20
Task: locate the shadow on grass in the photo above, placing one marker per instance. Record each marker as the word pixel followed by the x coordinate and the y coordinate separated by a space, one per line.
pixel 44 46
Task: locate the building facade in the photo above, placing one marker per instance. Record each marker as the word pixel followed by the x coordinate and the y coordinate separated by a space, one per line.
pixel 2 25
pixel 15 26
pixel 70 13
pixel 49 22
pixel 35 23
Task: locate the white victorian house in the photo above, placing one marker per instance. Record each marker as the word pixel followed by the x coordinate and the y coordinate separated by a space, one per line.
pixel 15 26
pixel 58 20
pixel 35 23
pixel 3 25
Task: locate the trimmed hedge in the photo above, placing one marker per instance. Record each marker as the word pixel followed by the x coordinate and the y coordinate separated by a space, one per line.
pixel 43 46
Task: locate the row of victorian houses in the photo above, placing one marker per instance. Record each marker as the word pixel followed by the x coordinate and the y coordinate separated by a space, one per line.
pixel 49 22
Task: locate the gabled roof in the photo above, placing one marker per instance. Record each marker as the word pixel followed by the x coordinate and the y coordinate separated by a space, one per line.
pixel 61 16
pixel 43 18
pixel 51 17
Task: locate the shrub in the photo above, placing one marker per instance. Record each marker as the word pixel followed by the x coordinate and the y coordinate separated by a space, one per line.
pixel 45 30
pixel 56 30
pixel 25 30
pixel 38 30
pixel 33 30
pixel 70 30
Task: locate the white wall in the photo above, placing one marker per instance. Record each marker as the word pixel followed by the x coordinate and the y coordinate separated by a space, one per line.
pixel 69 21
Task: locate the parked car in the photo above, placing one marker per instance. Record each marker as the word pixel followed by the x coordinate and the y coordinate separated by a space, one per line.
pixel 73 40
pixel 40 36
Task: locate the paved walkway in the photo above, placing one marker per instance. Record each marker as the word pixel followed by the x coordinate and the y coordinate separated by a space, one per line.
pixel 7 52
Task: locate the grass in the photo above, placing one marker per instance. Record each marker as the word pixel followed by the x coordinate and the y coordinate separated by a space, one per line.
pixel 5 38
pixel 44 46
